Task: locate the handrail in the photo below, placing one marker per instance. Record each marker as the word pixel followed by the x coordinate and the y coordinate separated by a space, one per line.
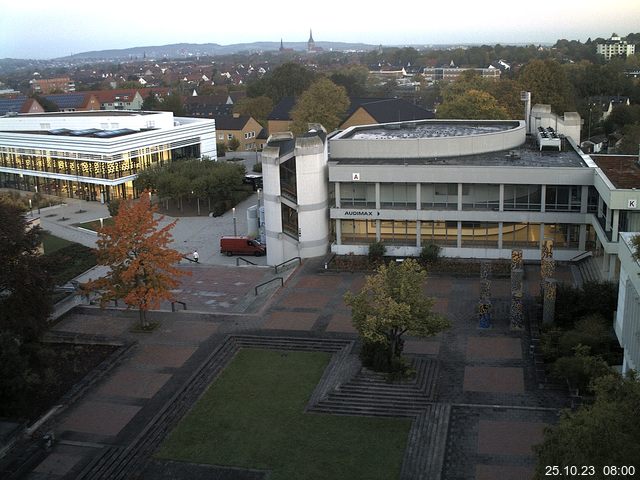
pixel 244 260
pixel 287 261
pixel 581 256
pixel 267 282
pixel 173 305
pixel 332 257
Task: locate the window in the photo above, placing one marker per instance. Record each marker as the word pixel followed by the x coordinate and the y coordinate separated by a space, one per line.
pixel 563 198
pixel 439 196
pixel 398 195
pixel 358 232
pixel 440 233
pixel 481 197
pixel 357 194
pixel 288 185
pixel 564 236
pixel 398 232
pixel 480 234
pixel 289 221
pixel 522 197
pixel 229 136
pixel 521 235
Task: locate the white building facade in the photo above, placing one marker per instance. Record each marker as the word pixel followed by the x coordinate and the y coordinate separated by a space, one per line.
pixel 627 317
pixel 615 47
pixel 95 155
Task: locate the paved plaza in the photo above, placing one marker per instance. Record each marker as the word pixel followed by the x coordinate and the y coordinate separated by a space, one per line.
pixel 495 410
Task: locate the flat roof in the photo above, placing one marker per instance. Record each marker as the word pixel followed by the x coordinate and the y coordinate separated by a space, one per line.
pixel 89 132
pixel 90 113
pixel 527 155
pixel 430 129
pixel 622 170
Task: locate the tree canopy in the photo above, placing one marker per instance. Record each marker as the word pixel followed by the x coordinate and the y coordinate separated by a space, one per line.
pixel 392 303
pixel 288 80
pixel 324 102
pixel 142 267
pixel 603 434
pixel 25 284
pixel 548 83
pixel 257 107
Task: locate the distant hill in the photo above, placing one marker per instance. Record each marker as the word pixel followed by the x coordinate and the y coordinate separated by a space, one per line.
pixel 195 49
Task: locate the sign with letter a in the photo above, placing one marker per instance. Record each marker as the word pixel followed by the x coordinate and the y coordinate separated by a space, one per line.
pixel 355 177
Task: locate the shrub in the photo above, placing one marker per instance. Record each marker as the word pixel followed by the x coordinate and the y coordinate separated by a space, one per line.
pixel 257 167
pixel 581 369
pixel 377 251
pixel 221 149
pixel 114 206
pixel 593 297
pixel 233 144
pixel 430 253
pixel 590 331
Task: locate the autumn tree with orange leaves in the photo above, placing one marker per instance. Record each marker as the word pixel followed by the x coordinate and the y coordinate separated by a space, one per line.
pixel 142 266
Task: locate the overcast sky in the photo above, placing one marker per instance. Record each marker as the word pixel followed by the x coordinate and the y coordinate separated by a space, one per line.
pixel 46 29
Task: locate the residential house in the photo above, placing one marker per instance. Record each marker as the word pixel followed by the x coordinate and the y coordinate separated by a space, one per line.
pixel 208 106
pixel 122 99
pixel 615 47
pixel 20 104
pixel 241 127
pixel 74 102
pixel 46 86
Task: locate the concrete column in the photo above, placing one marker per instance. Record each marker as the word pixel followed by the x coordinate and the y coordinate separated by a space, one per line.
pixel 459 197
pixel 418 197
pixel 541 236
pixel 500 235
pixel 378 204
pixel 338 231
pixel 584 199
pixel 614 225
pixel 582 240
pixel 418 236
pixel 337 194
pixel 459 234
pixel 378 233
pixel 611 274
pixel 607 223
pixel 605 264
pixel 600 203
pixel 543 198
pixel 501 206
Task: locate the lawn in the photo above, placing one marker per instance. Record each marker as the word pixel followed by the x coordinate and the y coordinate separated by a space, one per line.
pixel 67 259
pixel 253 417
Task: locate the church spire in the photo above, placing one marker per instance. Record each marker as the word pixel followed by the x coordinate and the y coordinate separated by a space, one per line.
pixel 311 45
pixel 310 36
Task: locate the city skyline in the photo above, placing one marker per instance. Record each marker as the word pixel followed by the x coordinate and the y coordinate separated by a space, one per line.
pixel 39 30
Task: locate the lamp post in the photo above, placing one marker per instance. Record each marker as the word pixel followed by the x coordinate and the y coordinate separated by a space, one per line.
pixel 235 229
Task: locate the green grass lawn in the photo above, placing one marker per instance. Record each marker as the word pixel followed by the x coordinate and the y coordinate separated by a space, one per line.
pixel 51 243
pixel 67 259
pixel 253 417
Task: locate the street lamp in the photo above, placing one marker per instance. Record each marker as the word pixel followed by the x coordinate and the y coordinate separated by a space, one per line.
pixel 235 229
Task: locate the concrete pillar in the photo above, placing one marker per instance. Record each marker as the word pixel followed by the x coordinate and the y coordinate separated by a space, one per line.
pixel 459 235
pixel 582 240
pixel 543 198
pixel 501 206
pixel 459 197
pixel 615 223
pixel 600 204
pixel 584 199
pixel 418 197
pixel 338 231
pixel 500 235
pixel 418 234
pixel 378 201
pixel 337 194
pixel 378 233
pixel 607 223
pixel 611 275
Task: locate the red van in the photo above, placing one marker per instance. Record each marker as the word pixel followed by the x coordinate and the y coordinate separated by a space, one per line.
pixel 241 246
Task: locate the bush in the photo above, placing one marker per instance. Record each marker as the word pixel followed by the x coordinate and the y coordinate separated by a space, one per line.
pixel 593 297
pixel 221 149
pixel 377 356
pixel 114 206
pixel 430 253
pixel 257 167
pixel 581 369
pixel 233 144
pixel 377 251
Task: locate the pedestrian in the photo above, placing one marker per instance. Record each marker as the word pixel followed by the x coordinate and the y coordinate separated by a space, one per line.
pixel 196 257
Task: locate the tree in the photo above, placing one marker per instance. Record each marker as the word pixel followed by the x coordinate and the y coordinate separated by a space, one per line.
pixel 172 103
pixel 603 434
pixel 473 104
pixel 25 284
pixel 142 266
pixel 548 83
pixel 353 79
pixel 233 144
pixel 150 102
pixel 392 303
pixel 630 139
pixel 258 107
pixel 288 80
pixel 324 102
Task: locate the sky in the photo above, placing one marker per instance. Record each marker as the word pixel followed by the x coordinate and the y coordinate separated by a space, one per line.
pixel 42 29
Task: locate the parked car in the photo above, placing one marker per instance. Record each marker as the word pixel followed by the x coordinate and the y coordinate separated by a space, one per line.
pixel 241 246
pixel 253 179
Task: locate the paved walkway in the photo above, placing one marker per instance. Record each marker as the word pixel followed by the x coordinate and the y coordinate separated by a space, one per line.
pixel 486 376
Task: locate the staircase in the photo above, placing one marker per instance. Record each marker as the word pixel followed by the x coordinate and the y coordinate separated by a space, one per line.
pixel 589 269
pixel 369 393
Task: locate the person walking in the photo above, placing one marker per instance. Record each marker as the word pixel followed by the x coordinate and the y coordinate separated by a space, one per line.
pixel 196 257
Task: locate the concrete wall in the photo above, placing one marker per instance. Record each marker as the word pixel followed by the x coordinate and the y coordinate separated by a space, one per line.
pixel 83 120
pixel 568 125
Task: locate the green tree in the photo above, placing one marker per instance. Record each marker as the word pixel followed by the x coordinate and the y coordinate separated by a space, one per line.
pixel 473 104
pixel 233 144
pixel 25 284
pixel 288 80
pixel 630 143
pixel 548 83
pixel 324 102
pixel 603 434
pixel 353 79
pixel 150 102
pixel 173 103
pixel 256 107
pixel 392 303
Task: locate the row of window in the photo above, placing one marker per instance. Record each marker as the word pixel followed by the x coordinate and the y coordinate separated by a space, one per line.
pixel 444 196
pixel 472 234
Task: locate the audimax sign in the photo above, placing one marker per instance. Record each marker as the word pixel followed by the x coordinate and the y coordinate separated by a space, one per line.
pixel 361 213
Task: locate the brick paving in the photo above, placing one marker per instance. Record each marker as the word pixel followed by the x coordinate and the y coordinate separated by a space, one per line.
pixel 476 367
